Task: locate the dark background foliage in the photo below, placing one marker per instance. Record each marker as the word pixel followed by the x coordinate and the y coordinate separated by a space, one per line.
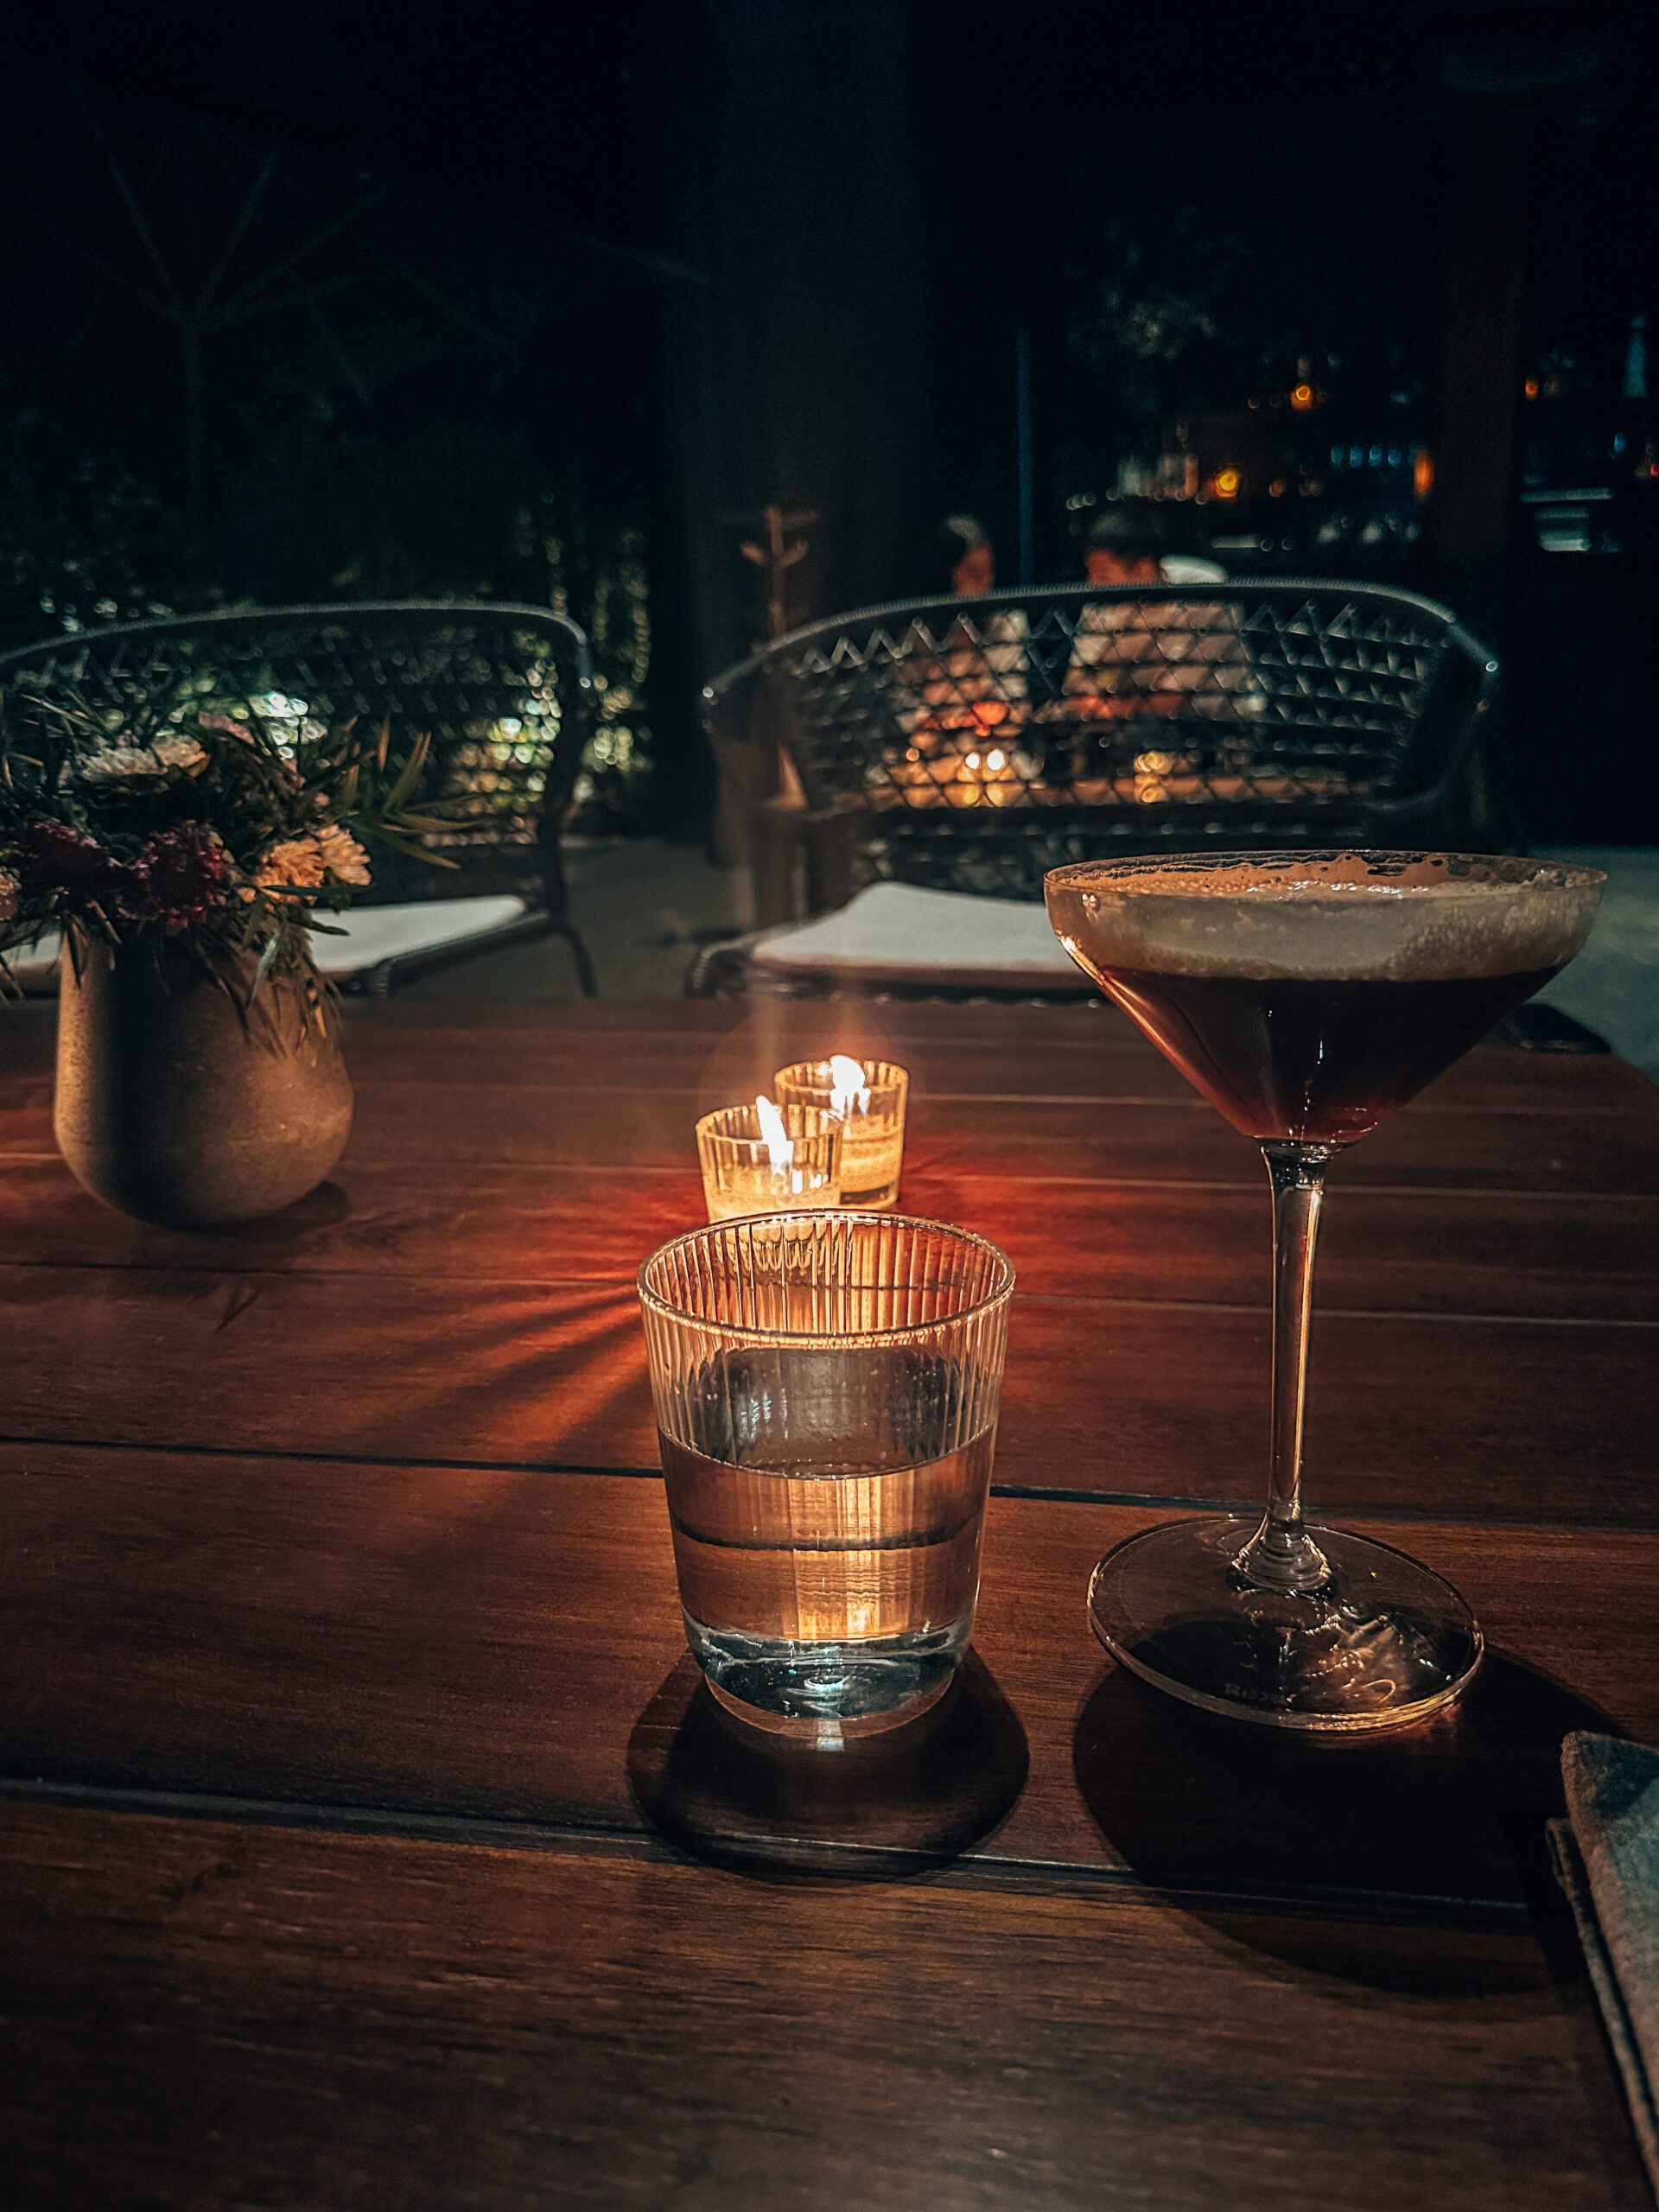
pixel 307 302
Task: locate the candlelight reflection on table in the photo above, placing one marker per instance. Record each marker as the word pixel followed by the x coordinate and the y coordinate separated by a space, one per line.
pixel 764 1159
pixel 869 1096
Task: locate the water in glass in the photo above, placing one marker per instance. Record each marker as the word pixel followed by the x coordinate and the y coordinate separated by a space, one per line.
pixel 828 1548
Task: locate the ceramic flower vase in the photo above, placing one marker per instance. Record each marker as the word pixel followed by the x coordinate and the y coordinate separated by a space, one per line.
pixel 180 1101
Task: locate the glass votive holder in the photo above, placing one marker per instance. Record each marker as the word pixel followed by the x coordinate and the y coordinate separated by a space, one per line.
pixel 826 1388
pixel 749 1169
pixel 870 1096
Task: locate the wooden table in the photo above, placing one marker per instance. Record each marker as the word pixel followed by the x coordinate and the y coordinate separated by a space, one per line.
pixel 367 1842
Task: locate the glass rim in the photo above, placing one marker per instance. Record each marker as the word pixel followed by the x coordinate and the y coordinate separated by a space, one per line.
pixel 1563 876
pixel 894 1077
pixel 755 1333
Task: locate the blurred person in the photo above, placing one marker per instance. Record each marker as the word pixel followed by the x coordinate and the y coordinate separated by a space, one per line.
pixel 1127 544
pixel 961 687
pixel 1147 656
pixel 960 558
pixel 1124 546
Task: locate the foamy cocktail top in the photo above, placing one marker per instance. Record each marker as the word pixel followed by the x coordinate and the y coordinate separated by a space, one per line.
pixel 1324 916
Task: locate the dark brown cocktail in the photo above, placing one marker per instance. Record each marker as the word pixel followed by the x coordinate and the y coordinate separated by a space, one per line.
pixel 1321 1062
pixel 1307 995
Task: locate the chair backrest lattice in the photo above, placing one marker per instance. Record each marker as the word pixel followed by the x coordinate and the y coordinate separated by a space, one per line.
pixel 978 742
pixel 503 692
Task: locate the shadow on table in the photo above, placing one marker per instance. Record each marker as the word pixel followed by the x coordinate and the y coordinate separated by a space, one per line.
pixel 279 1241
pixel 285 1233
pixel 250 1249
pixel 884 1807
pixel 1255 1831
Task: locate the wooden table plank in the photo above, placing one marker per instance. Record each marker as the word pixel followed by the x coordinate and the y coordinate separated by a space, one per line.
pixel 1174 1140
pixel 1023 1062
pixel 1561 1255
pixel 976 1052
pixel 498 1645
pixel 262 2016
pixel 915 1024
pixel 1537 1420
pixel 1418 1148
pixel 1550 1256
pixel 1540 1422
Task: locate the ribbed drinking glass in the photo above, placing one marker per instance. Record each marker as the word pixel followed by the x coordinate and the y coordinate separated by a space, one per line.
pixel 826 1388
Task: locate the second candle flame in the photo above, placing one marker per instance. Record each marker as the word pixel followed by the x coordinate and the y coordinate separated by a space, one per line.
pixel 852 1092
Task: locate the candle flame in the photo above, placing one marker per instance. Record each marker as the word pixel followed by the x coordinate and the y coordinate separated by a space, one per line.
pixel 851 1093
pixel 780 1145
pixel 1150 769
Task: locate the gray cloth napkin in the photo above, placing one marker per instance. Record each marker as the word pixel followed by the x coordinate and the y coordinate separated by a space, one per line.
pixel 1607 1860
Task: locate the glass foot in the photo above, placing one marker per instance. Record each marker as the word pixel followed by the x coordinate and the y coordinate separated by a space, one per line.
pixel 825 1693
pixel 828 1731
pixel 1381 1644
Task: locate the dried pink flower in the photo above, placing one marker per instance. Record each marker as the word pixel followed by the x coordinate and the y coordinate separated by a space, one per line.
pixel 53 857
pixel 185 872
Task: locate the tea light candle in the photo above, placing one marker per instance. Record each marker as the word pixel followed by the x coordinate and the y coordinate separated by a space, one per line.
pixel 760 1158
pixel 869 1096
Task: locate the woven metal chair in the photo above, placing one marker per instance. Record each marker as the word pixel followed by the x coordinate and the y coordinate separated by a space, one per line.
pixel 504 692
pixel 971 746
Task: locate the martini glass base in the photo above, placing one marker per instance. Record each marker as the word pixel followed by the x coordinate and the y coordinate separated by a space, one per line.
pixel 1382 1645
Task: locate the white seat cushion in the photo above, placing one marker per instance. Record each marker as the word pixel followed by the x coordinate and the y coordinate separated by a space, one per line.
pixel 899 933
pixel 1187 569
pixel 371 934
pixel 376 933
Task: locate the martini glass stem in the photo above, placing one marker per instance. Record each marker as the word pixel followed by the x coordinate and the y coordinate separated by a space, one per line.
pixel 1282 1556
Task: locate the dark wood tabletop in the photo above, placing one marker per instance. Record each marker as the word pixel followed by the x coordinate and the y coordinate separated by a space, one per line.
pixel 365 1840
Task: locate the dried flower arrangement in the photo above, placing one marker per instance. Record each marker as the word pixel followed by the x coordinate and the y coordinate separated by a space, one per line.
pixel 228 836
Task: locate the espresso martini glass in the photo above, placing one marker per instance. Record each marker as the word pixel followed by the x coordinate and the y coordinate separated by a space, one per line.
pixel 1307 995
